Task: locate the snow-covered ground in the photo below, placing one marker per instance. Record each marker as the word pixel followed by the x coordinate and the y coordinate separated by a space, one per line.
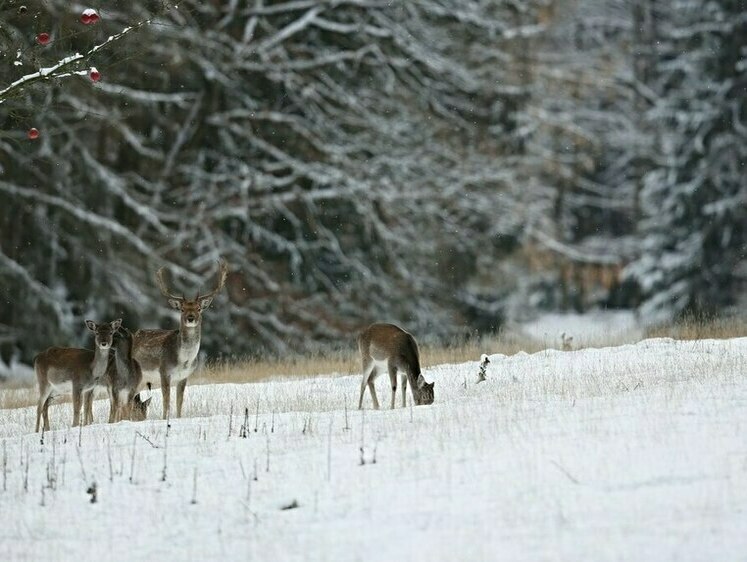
pixel 637 452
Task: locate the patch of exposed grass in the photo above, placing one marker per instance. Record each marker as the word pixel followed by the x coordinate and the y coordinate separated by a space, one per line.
pixel 700 327
pixel 12 395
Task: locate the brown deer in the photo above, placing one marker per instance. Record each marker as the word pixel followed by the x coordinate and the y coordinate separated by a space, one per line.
pixel 171 355
pixel 389 347
pixel 124 377
pixel 65 370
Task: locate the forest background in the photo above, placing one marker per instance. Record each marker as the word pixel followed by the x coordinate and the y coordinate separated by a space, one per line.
pixel 452 166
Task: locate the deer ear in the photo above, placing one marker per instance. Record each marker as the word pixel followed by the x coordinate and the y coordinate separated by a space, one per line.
pixel 116 324
pixel 91 325
pixel 204 303
pixel 175 304
pixel 421 381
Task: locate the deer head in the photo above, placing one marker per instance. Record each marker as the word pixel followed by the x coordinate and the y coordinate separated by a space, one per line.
pixel 139 411
pixel 191 309
pixel 104 333
pixel 424 395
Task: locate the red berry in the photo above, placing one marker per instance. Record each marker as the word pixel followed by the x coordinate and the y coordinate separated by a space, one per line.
pixel 94 74
pixel 42 38
pixel 33 133
pixel 89 16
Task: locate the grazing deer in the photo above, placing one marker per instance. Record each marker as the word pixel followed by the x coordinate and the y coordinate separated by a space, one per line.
pixel 125 376
pixel 63 370
pixel 386 346
pixel 172 354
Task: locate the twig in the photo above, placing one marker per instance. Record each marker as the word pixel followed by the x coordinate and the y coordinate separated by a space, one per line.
pixel 91 491
pixel 148 440
pixel 244 431
pixel 267 468
pixel 109 456
pixel 230 422
pixel 248 491
pixel 165 455
pixel 194 488
pixel 363 427
pixel 132 461
pixel 61 68
pixel 26 474
pixel 64 464
pixel 82 468
pixel 564 471
pixel 5 466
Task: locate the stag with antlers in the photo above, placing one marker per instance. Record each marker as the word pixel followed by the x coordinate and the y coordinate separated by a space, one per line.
pixel 171 355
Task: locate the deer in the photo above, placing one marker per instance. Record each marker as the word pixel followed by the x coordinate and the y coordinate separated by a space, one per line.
pixel 389 347
pixel 171 355
pixel 124 376
pixel 65 370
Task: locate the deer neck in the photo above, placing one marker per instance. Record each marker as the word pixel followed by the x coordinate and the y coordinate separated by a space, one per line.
pixel 100 362
pixel 189 342
pixel 412 377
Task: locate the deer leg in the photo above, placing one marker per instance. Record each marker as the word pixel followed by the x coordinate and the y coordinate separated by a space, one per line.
pixel 86 396
pixel 180 386
pixel 121 411
pixel 372 390
pixel 77 398
pixel 404 391
pixel 112 405
pixel 88 407
pixel 367 370
pixel 166 392
pixel 130 403
pixel 393 381
pixel 47 402
pixel 363 390
pixel 41 409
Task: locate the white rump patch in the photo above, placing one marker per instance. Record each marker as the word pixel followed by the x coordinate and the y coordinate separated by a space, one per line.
pixel 381 367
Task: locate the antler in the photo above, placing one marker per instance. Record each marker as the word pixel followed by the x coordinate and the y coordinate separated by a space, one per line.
pixel 163 287
pixel 222 273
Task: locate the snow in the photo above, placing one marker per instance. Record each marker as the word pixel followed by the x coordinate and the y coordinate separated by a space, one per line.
pixel 629 452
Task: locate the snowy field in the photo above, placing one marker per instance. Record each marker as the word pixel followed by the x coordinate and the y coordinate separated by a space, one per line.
pixel 637 452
